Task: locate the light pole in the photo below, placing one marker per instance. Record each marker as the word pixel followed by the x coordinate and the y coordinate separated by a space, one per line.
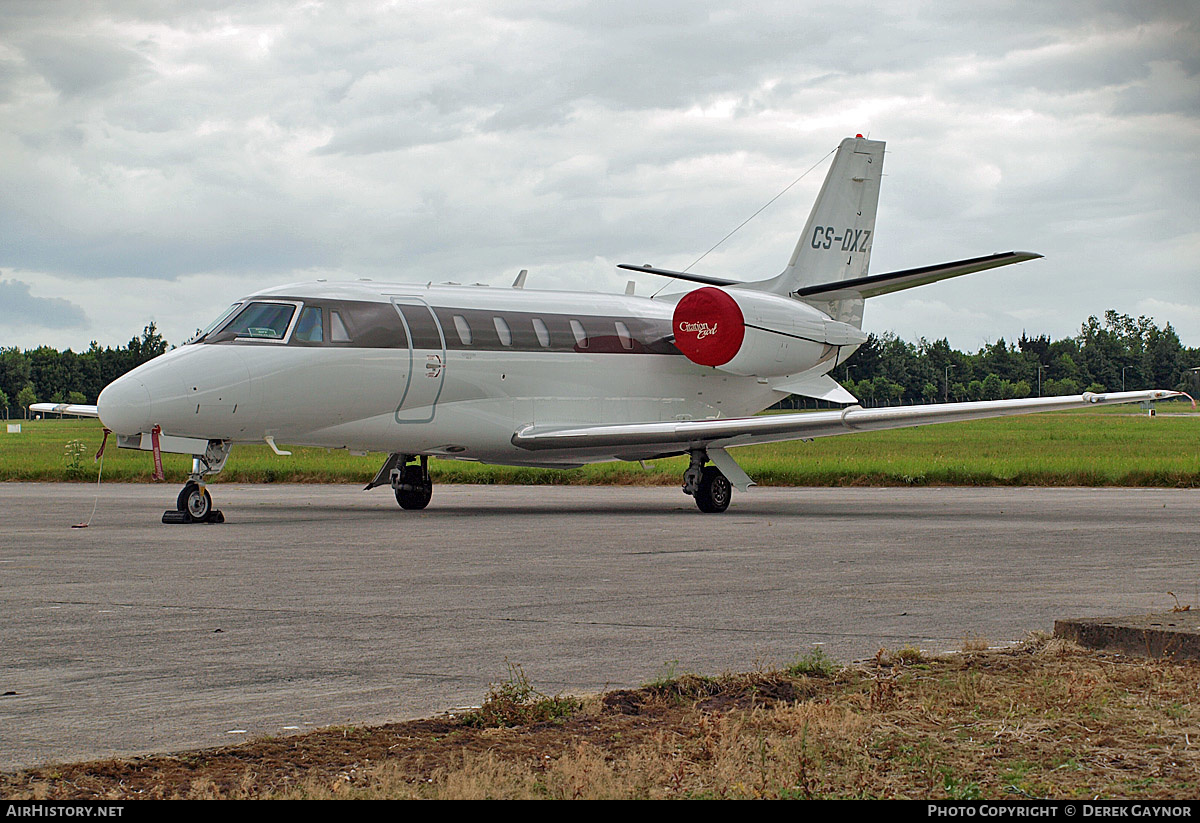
pixel 1123 368
pixel 1040 367
pixel 946 396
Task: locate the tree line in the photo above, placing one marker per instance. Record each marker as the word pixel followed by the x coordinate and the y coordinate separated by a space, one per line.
pixel 1118 353
pixel 1113 354
pixel 46 375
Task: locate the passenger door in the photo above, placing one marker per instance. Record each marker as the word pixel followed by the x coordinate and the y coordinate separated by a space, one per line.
pixel 426 360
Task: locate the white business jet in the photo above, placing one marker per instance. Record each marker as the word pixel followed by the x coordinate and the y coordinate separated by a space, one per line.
pixel 556 379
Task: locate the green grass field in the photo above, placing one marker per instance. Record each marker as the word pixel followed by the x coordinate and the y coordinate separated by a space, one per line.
pixel 1102 447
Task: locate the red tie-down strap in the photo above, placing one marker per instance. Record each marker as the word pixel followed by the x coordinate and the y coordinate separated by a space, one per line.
pixel 158 471
pixel 103 443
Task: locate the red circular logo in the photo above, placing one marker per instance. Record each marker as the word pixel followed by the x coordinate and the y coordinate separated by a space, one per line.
pixel 709 327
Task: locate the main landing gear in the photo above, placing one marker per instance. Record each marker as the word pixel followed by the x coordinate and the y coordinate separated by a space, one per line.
pixel 712 490
pixel 194 504
pixel 409 480
pixel 412 483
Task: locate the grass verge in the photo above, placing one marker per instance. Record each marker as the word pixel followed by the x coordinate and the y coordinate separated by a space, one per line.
pixel 1102 448
pixel 1045 719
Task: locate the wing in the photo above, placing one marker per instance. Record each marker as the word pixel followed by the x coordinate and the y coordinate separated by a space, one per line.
pixel 65 408
pixel 632 439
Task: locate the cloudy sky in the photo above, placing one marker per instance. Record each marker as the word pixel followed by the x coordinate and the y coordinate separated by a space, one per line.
pixel 159 159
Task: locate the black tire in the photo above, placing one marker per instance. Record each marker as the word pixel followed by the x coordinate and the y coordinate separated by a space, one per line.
pixel 414 499
pixel 715 491
pixel 195 501
pixel 419 490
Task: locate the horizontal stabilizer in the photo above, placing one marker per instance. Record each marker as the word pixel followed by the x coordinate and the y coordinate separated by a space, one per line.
pixel 65 408
pixel 681 275
pixel 876 284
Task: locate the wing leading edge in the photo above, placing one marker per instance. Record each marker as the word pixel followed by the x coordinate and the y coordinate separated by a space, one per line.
pixel 74 409
pixel 655 437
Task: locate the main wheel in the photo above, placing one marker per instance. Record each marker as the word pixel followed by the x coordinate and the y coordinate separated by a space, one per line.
pixel 417 498
pixel 417 489
pixel 196 501
pixel 714 492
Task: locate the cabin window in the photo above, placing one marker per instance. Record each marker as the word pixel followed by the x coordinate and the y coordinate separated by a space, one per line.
pixel 366 325
pixel 580 335
pixel 310 327
pixel 260 321
pixel 503 330
pixel 625 337
pixel 543 333
pixel 337 329
pixel 463 329
pixel 423 328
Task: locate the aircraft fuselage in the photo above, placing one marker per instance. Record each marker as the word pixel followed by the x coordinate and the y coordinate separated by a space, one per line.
pixel 450 371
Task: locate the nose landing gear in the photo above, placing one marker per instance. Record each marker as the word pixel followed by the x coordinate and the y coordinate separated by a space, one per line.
pixel 194 504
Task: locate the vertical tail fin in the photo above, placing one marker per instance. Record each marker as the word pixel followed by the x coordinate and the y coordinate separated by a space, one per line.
pixel 837 240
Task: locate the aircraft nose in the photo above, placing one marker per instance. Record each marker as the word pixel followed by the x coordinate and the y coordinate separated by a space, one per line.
pixel 124 406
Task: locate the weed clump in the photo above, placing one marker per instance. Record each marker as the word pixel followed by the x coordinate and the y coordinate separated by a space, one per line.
pixel 907 656
pixel 814 664
pixel 676 684
pixel 974 643
pixel 516 703
pixel 73 458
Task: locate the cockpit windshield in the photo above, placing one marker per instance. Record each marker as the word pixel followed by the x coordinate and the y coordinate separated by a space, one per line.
pixel 216 324
pixel 258 321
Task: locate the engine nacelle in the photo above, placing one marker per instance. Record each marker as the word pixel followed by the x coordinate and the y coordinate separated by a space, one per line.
pixel 754 333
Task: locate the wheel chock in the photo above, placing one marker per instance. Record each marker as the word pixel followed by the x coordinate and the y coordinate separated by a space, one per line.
pixel 176 516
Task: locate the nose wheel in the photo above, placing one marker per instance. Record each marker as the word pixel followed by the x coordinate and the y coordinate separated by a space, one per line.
pixel 194 503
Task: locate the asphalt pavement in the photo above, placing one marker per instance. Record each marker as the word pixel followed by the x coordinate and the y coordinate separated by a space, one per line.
pixel 315 605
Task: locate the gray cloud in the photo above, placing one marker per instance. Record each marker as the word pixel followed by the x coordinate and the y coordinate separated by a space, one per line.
pixel 79 65
pixel 18 307
pixel 143 141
